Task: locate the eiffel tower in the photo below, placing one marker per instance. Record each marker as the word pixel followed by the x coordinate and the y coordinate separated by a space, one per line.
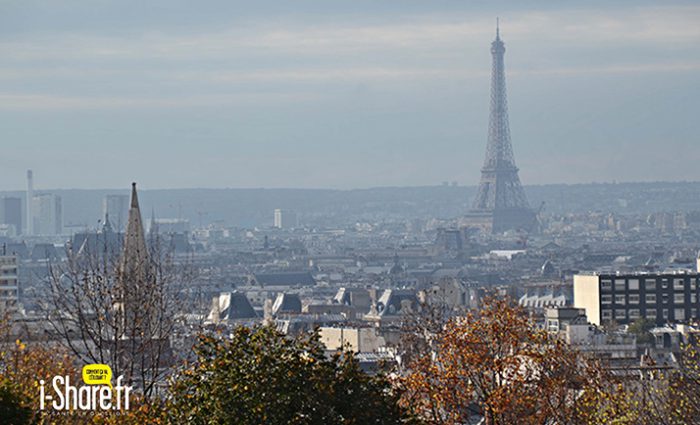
pixel 500 202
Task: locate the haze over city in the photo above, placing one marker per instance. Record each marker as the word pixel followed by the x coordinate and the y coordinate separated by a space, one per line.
pixel 388 212
pixel 357 94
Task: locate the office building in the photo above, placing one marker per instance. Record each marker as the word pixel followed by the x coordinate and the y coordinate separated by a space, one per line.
pixel 29 200
pixel 11 213
pixel 116 207
pixel 624 298
pixel 169 226
pixel 284 219
pixel 47 209
pixel 9 287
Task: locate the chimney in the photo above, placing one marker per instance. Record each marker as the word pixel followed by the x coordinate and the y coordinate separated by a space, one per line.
pixel 30 199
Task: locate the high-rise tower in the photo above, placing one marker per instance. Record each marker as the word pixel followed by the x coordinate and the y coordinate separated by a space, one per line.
pixel 500 202
pixel 29 201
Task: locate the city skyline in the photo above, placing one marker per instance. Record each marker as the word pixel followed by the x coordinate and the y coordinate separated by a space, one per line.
pixel 275 97
pixel 385 212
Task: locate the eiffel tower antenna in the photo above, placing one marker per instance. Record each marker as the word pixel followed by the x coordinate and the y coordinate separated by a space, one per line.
pixel 500 200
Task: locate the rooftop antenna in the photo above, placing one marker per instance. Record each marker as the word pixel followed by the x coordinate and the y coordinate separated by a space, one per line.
pixel 497 28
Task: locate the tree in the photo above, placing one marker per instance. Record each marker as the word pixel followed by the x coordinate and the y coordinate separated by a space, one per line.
pixel 22 367
pixel 115 301
pixel 258 376
pixel 499 365
pixel 419 328
pixel 640 328
pixel 14 409
pixel 683 403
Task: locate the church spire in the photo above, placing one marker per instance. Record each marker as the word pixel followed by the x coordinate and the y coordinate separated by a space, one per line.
pixel 134 196
pixel 135 253
pixel 107 226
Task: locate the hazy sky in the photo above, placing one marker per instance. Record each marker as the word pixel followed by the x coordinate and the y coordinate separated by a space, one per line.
pixel 342 94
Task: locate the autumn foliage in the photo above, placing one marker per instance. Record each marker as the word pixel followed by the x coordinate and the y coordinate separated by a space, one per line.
pixel 497 364
pixel 22 367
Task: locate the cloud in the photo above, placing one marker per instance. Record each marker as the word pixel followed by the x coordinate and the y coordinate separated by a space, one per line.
pixel 266 62
pixel 23 102
pixel 355 88
pixel 634 68
pixel 655 25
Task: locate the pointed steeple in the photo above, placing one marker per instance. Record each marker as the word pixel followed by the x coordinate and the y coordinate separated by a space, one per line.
pixel 134 196
pixel 107 226
pixel 135 253
pixel 153 227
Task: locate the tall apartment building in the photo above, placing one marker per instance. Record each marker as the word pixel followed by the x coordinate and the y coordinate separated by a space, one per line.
pixel 29 199
pixel 47 210
pixel 116 207
pixel 9 288
pixel 11 213
pixel 284 219
pixel 624 298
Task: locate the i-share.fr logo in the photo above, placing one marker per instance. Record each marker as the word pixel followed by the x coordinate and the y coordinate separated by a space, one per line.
pixel 97 393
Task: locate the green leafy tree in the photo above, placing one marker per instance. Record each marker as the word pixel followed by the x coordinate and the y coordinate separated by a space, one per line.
pixel 640 328
pixel 258 376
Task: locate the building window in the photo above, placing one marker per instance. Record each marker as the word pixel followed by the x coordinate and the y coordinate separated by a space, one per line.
pixel 678 284
pixel 693 284
pixel 620 299
pixel 664 313
pixel 664 298
pixel 607 314
pixel 679 298
pixel 694 313
pixel 634 313
pixel 633 284
pixel 651 314
pixel 693 298
pixel 651 298
pixel 679 314
pixel 619 284
pixel 620 314
pixel 606 299
pixel 650 284
pixel 664 283
pixel 634 299
pixel 606 284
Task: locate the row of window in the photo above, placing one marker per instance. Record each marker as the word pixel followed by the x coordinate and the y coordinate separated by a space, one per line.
pixel 649 284
pixel 632 314
pixel 8 293
pixel 622 299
